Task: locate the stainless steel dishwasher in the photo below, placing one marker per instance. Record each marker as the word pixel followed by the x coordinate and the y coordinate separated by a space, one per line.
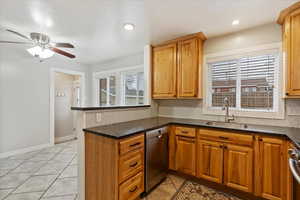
pixel 156 158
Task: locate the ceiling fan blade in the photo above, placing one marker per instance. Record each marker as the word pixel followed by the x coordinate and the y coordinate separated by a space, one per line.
pixel 64 53
pixel 63 45
pixel 19 34
pixel 11 42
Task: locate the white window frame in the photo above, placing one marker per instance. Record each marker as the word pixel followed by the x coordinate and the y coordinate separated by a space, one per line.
pixel 107 77
pixel 278 105
pixel 118 73
pixel 130 72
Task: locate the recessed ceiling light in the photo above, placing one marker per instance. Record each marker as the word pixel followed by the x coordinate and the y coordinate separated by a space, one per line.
pixel 129 27
pixel 235 22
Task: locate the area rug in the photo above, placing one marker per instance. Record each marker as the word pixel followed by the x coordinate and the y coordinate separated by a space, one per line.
pixel 195 191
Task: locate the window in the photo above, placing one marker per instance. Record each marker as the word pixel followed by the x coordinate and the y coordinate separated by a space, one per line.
pixel 120 87
pixel 107 87
pixel 248 81
pixel 134 88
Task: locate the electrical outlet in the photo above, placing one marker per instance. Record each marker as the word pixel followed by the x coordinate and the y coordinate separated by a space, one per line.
pixel 98 117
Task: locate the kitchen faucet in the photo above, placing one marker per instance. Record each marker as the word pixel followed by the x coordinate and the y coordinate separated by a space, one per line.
pixel 228 118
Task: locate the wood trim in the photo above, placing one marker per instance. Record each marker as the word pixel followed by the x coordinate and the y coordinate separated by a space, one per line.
pixel 257 171
pixel 200 69
pixel 190 36
pixel 284 13
pixel 101 160
pixel 172 148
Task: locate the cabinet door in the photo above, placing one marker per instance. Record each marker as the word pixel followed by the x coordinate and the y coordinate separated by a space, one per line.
pixel 273 166
pixel 210 161
pixel 164 71
pixel 186 155
pixel 238 167
pixel 188 68
pixel 292 28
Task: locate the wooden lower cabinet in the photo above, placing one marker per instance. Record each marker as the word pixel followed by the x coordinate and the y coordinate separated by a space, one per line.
pixel 273 168
pixel 114 169
pixel 238 167
pixel 210 161
pixel 186 155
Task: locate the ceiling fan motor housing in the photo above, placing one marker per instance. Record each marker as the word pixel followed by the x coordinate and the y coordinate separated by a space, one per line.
pixel 40 38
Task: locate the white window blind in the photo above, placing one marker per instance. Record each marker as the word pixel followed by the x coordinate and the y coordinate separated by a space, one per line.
pixel 248 82
pixel 224 79
pixel 257 82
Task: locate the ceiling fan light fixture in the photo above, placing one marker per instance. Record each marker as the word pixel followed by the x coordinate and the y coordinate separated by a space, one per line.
pixel 40 52
pixel 129 27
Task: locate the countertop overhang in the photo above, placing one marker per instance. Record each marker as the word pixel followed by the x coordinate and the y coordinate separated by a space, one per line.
pixel 129 128
pixel 91 108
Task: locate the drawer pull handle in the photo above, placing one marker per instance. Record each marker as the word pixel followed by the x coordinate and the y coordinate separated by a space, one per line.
pixel 135 144
pixel 134 164
pixel 134 189
pixel 185 132
pixel 223 138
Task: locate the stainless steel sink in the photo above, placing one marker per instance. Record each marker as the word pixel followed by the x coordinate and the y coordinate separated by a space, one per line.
pixel 226 125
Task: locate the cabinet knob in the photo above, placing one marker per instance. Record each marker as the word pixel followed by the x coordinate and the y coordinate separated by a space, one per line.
pixel 287 94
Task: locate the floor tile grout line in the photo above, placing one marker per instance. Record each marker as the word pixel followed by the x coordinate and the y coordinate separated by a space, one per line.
pixel 31 175
pixel 55 179
pixel 180 188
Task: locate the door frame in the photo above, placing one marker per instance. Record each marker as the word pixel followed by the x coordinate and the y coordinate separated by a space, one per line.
pixel 52 96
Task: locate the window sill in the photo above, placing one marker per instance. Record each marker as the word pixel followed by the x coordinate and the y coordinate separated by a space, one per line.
pixel 85 108
pixel 246 113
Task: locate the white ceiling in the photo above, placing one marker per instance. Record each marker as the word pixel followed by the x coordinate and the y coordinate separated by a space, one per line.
pixel 95 27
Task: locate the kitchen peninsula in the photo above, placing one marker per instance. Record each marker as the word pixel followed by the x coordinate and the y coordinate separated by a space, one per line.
pixel 243 145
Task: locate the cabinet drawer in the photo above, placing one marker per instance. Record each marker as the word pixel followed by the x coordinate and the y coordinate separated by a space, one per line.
pixel 185 131
pixel 132 188
pixel 226 136
pixel 132 143
pixel 130 164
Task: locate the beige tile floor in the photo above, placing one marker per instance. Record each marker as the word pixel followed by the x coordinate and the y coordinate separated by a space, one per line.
pixel 50 173
pixel 167 189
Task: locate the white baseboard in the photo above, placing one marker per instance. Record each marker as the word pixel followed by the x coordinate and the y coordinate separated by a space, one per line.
pixel 65 138
pixel 25 150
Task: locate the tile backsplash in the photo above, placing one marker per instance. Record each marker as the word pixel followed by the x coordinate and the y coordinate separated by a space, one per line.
pixel 193 109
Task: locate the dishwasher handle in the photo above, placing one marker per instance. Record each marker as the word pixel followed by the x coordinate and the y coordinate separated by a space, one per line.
pixel 292 164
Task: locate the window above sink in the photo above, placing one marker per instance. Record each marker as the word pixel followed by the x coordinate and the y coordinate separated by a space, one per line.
pixel 250 78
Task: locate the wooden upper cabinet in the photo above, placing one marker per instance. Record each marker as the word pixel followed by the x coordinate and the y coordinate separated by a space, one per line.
pixel 177 68
pixel 186 155
pixel 273 166
pixel 164 71
pixel 290 19
pixel 189 60
pixel 210 161
pixel 238 167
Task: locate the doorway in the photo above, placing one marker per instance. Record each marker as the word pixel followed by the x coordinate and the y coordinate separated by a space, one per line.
pixel 66 91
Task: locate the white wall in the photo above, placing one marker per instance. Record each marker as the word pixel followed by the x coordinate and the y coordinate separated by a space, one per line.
pixel 265 34
pixel 24 98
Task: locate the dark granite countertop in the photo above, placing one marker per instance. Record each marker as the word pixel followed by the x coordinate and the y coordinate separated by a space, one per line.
pixel 125 129
pixel 90 108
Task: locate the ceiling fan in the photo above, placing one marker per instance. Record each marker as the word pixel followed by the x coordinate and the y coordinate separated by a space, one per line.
pixel 43 46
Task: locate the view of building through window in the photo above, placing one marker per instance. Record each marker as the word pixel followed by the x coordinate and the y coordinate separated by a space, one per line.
pixel 248 82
